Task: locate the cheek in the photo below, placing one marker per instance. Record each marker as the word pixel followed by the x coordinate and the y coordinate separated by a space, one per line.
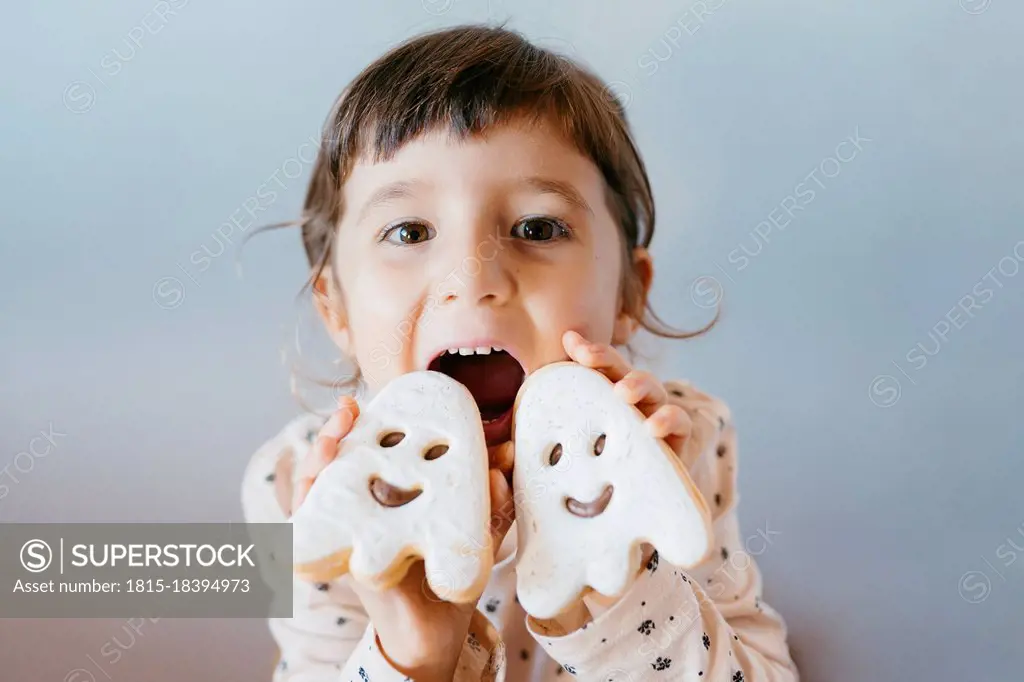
pixel 381 294
pixel 380 306
pixel 583 296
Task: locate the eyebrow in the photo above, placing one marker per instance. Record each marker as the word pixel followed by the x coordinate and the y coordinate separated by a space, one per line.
pixel 407 188
pixel 388 193
pixel 558 188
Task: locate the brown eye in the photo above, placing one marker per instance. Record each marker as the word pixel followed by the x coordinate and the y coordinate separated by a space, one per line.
pixel 599 445
pixel 556 454
pixel 390 440
pixel 539 229
pixel 408 233
pixel 435 452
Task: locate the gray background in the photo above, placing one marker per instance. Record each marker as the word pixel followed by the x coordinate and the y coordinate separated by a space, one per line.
pixel 882 500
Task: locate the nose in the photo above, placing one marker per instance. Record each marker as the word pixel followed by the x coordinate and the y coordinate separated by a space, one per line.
pixel 479 273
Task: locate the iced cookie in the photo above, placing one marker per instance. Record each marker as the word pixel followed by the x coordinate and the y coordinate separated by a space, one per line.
pixel 410 481
pixel 590 486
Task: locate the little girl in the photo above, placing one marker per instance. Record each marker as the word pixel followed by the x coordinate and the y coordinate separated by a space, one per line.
pixel 478 208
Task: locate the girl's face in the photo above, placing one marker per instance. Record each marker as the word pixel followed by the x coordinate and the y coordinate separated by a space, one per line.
pixel 502 241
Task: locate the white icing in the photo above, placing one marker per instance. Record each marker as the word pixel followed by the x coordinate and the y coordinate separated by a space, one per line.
pixel 447 524
pixel 560 554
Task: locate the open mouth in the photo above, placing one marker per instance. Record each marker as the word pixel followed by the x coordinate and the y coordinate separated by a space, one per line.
pixel 493 377
pixel 588 510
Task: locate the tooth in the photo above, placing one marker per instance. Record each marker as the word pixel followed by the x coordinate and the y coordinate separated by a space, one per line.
pixel 483 350
pixel 453 351
pixel 465 351
pixel 497 349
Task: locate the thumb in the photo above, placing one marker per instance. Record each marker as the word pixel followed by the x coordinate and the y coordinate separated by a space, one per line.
pixel 503 510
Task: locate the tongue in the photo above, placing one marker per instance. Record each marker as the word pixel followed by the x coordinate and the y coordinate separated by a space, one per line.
pixel 493 379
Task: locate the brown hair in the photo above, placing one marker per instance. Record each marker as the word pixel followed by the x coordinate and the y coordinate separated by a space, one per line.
pixel 469 79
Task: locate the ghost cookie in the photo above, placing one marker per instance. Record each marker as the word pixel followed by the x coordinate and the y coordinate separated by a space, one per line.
pixel 410 481
pixel 590 487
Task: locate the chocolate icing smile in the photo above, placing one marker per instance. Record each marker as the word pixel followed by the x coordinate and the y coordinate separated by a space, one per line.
pixel 390 496
pixel 587 510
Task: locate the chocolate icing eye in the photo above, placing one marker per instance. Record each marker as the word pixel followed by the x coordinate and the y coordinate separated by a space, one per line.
pixel 599 445
pixel 390 440
pixel 556 454
pixel 435 452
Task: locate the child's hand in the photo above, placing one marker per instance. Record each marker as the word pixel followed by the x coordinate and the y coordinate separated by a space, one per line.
pixel 420 633
pixel 638 388
pixel 325 448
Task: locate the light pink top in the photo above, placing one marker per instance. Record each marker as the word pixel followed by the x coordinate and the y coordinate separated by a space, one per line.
pixel 707 624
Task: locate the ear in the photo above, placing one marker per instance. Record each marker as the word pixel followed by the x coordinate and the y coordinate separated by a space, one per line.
pixel 329 304
pixel 625 324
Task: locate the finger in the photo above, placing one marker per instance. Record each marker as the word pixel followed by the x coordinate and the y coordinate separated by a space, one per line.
pixel 283 480
pixel 643 390
pixel 302 487
pixel 322 453
pixel 672 424
pixel 325 447
pixel 502 457
pixel 348 410
pixel 599 356
pixel 503 511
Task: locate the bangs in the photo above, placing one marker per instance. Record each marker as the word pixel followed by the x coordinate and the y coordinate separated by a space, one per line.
pixel 468 80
